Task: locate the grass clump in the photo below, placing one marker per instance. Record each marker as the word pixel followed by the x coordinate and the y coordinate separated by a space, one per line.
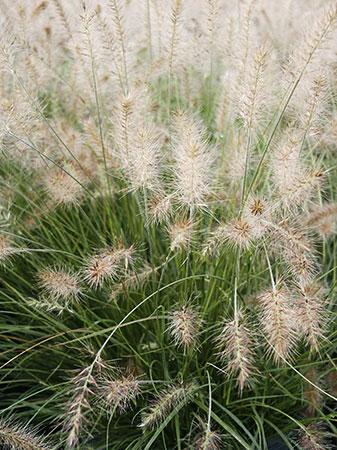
pixel 168 221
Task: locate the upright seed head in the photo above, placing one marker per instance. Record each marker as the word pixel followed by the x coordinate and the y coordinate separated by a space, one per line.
pixel 193 162
pixel 184 324
pixel 311 394
pixel 64 186
pixel 160 207
pixel 312 438
pixel 7 248
pixel 210 440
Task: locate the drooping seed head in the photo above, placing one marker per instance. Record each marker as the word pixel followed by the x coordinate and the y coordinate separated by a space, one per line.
pixel 311 308
pixel 165 402
pixel 278 322
pixel 235 345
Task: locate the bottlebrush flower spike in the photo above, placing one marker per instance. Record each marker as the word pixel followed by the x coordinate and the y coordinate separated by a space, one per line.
pixel 323 219
pixel 79 405
pixel 294 245
pixel 278 321
pixel 15 436
pixel 160 207
pixel 107 265
pixel 118 393
pixel 142 170
pixel 240 233
pixel 209 441
pixel 312 437
pixel 64 186
pixel 7 249
pixel 166 401
pixel 193 162
pixel 60 284
pixel 311 308
pixel 184 324
pixel 236 350
pixel 181 234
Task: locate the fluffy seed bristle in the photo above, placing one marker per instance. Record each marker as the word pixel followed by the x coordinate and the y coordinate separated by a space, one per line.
pixel 64 188
pixel 160 208
pixel 78 405
pixel 312 438
pixel 323 219
pixel 184 324
pixel 311 394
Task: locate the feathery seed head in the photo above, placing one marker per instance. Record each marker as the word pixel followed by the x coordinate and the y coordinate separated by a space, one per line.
pixel 107 264
pixel 64 186
pixel 184 324
pixel 240 233
pixel 6 248
pixel 165 402
pixel 193 162
pixel 181 234
pixel 323 219
pixel 60 284
pixel 118 393
pixel 160 208
pixel 236 350
pixel 79 404
pixel 142 169
pixel 211 440
pixel 312 438
pixel 15 436
pixel 310 307
pixel 278 322
pixel 312 395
